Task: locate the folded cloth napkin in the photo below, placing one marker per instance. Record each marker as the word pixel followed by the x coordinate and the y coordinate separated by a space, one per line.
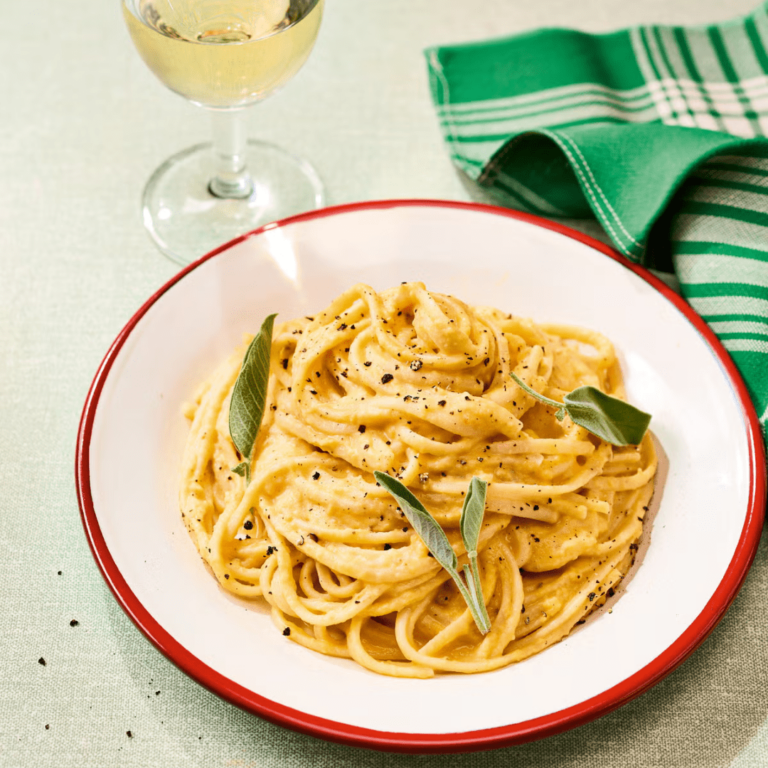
pixel 654 131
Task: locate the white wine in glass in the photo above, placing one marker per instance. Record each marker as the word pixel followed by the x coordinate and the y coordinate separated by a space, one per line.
pixel 224 55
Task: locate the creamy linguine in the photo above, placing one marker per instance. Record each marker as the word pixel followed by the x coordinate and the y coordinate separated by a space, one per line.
pixel 417 385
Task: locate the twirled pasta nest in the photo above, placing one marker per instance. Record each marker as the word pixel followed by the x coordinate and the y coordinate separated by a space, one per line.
pixel 418 385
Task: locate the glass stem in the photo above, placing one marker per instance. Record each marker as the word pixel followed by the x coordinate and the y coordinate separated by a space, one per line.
pixel 232 178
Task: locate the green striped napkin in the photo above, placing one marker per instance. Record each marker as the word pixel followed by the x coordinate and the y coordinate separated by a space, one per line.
pixel 654 131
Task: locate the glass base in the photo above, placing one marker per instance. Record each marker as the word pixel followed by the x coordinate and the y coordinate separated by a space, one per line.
pixel 187 221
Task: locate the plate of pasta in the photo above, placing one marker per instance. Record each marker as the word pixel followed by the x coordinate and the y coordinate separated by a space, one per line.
pixel 424 481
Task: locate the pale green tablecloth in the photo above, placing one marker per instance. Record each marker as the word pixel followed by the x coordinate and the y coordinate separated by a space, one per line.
pixel 82 125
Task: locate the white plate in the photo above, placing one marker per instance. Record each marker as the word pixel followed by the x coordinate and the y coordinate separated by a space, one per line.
pixel 704 536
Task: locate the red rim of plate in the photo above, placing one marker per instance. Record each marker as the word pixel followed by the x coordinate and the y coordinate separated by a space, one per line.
pixel 490 738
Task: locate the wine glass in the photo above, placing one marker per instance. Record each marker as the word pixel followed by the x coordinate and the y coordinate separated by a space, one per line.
pixel 224 55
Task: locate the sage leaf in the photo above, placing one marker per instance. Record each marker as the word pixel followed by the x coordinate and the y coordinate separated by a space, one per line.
pixel 472 514
pixel 609 418
pixel 613 420
pixel 471 524
pixel 246 408
pixel 437 543
pixel 244 470
pixel 423 523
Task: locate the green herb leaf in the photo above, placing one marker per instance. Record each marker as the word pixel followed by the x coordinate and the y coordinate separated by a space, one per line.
pixel 244 470
pixel 246 409
pixel 437 543
pixel 423 523
pixel 472 514
pixel 611 419
pixel 471 524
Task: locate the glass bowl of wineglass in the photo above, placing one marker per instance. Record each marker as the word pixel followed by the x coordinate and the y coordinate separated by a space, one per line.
pixel 224 55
